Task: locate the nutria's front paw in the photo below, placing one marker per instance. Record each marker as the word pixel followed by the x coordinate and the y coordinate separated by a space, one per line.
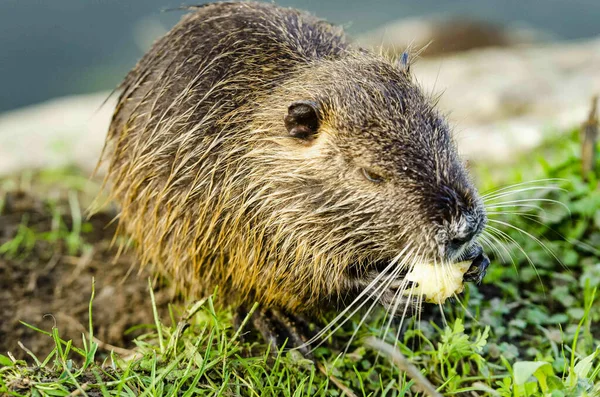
pixel 479 265
pixel 279 328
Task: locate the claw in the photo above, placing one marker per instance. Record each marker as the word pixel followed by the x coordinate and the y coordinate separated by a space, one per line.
pixel 478 268
pixel 279 328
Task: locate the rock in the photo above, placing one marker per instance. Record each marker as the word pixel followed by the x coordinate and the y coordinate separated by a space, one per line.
pixel 505 100
pixel 441 36
pixel 60 132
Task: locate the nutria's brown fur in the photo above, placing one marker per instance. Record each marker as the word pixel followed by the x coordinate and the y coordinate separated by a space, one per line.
pixel 216 189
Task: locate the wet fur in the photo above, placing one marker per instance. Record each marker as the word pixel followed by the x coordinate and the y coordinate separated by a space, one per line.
pixel 214 192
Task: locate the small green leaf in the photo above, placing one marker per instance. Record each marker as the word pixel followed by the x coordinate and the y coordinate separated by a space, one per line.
pixel 583 367
pixel 5 361
pixel 523 370
pixel 555 384
pixel 55 392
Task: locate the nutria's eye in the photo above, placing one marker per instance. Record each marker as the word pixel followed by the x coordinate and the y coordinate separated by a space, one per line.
pixel 302 120
pixel 371 176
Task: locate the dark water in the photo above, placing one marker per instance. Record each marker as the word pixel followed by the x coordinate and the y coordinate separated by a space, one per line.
pixel 50 48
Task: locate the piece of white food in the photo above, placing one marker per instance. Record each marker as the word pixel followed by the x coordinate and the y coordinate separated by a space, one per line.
pixel 436 283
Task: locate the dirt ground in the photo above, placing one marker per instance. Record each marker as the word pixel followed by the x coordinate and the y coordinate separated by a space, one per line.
pixel 43 285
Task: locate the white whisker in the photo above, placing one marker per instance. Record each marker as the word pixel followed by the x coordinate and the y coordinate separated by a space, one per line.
pixel 467 311
pixel 385 285
pixel 332 323
pixel 537 240
pixel 397 299
pixel 509 187
pixel 444 278
pixel 526 215
pixel 532 200
pixel 407 304
pixel 502 245
pixel 501 205
pixel 485 239
pixel 512 240
pixel 515 192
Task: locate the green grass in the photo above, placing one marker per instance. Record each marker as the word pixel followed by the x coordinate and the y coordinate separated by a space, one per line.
pixel 70 235
pixel 528 330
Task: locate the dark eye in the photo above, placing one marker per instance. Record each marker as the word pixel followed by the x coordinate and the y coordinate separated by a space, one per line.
pixel 371 176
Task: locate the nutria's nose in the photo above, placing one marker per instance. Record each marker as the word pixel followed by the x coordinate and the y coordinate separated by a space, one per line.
pixel 460 240
pixel 457 243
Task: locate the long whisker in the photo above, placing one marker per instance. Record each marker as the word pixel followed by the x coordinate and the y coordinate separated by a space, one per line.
pixel 509 187
pixel 502 244
pixel 537 240
pixel 526 215
pixel 444 272
pixel 407 304
pixel 485 238
pixel 501 205
pixel 533 200
pixel 400 293
pixel 464 307
pixel 515 192
pixel 509 238
pixel 419 310
pixel 386 284
pixel 409 300
pixel 384 287
pixel 581 244
pixel 541 183
pixel 331 324
pixel 532 217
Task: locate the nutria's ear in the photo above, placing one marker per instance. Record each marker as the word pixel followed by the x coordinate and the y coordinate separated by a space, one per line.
pixel 302 119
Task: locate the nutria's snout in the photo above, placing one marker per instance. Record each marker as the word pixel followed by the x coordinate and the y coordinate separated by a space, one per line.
pixel 471 249
pixel 463 220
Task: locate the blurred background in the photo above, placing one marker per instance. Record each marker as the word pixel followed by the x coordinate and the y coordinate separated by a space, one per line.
pixel 62 47
pixel 509 71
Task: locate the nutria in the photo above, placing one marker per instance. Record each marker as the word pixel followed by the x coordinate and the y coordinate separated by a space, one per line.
pixel 255 149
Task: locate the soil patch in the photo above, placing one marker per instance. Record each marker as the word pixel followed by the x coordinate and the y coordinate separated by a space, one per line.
pixel 46 272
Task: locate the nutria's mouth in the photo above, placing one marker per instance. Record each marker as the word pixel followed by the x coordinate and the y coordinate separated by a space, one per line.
pixel 475 273
pixel 394 295
pixel 381 272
